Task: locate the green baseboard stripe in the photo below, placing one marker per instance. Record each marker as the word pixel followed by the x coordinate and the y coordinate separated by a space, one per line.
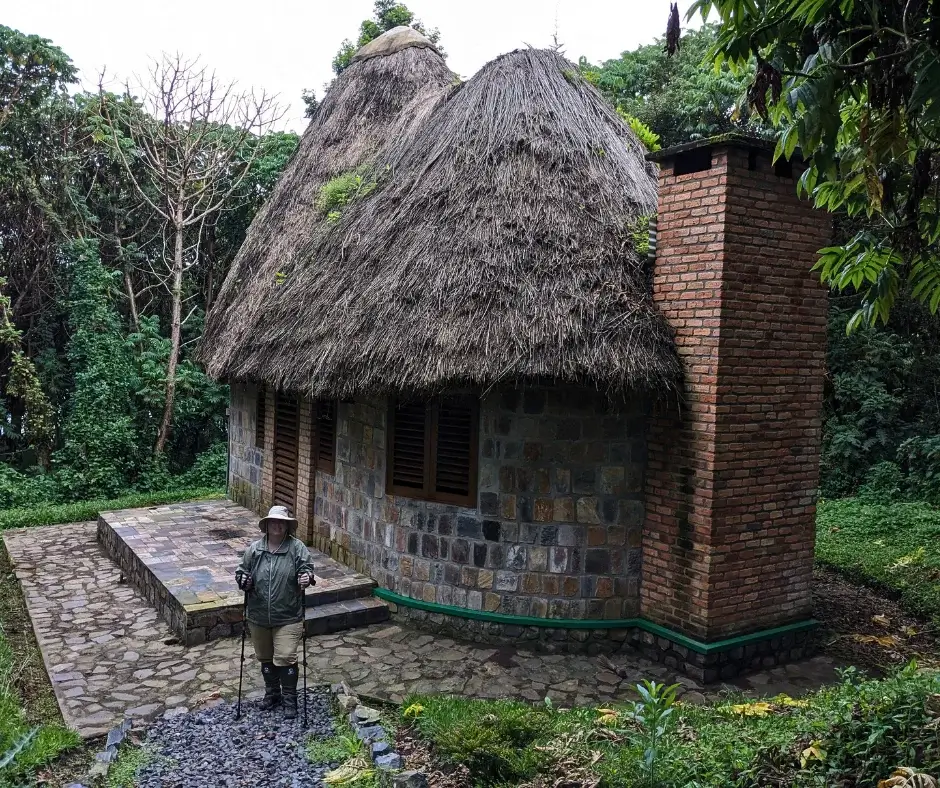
pixel 574 623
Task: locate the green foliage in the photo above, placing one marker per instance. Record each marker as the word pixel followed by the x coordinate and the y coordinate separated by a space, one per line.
pixel 99 453
pixel 494 739
pixel 387 15
pixel 333 749
pixel 52 514
pixel 23 746
pixel 643 132
pixel 884 390
pixel 861 729
pixel 857 85
pixel 680 98
pixel 892 546
pixel 123 772
pixel 337 193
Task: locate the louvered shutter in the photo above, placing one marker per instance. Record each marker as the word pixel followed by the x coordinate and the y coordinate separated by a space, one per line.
pixel 286 435
pixel 326 436
pixel 408 467
pixel 454 446
pixel 260 416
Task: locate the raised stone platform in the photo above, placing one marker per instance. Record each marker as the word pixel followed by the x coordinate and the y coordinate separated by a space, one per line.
pixel 182 557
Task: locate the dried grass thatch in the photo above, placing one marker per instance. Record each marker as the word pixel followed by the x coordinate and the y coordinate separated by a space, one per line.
pixel 375 98
pixel 497 248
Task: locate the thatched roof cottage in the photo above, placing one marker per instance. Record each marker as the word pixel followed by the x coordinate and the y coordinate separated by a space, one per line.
pixel 451 355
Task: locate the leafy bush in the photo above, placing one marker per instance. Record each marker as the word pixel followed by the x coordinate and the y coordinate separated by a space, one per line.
pixel 208 470
pixel 896 547
pixel 23 489
pixel 100 449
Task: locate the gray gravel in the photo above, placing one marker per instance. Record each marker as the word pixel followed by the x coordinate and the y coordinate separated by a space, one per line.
pixel 208 749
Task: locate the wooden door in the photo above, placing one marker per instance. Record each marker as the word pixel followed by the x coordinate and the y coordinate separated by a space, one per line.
pixel 286 435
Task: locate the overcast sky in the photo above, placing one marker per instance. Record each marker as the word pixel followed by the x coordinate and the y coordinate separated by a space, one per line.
pixel 286 46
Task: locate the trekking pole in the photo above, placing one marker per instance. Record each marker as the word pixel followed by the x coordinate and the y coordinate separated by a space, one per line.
pixel 241 667
pixel 303 637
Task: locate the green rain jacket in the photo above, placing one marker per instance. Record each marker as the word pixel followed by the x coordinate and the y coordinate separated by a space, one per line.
pixel 274 599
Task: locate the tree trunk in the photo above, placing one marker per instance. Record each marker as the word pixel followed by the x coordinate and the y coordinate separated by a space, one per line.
pixel 128 283
pixel 176 294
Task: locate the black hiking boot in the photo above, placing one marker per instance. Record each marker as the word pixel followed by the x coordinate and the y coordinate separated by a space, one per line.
pixel 289 689
pixel 272 686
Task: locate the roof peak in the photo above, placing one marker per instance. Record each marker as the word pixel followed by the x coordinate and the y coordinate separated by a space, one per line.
pixel 392 41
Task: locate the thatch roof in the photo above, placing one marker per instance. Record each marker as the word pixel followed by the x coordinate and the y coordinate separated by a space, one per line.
pixel 375 98
pixel 496 248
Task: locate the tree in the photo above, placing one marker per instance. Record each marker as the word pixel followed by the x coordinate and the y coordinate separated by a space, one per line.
pixel 856 85
pixel 188 143
pixel 388 14
pixel 675 96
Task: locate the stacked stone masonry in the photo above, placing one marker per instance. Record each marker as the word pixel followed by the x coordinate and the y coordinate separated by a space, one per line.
pixel 557 529
pixel 731 481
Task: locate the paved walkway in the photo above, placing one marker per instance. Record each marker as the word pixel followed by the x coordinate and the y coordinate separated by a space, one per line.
pixel 109 655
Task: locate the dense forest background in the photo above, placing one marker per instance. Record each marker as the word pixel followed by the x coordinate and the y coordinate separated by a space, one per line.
pixel 104 288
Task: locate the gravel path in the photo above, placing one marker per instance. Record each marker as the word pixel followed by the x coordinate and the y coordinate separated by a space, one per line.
pixel 209 749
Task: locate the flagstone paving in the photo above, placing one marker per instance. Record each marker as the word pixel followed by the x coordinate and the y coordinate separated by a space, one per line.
pixel 109 655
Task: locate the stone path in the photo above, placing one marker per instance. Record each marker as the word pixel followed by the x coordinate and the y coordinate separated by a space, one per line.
pixel 109 655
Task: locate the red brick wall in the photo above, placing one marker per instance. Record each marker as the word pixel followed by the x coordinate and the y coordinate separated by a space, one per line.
pixel 731 479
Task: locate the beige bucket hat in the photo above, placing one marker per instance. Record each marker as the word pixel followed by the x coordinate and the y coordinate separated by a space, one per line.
pixel 279 514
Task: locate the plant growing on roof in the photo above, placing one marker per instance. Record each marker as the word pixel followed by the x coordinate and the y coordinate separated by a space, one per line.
pixel 337 193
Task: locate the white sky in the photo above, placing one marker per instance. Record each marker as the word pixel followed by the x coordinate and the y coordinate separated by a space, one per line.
pixel 286 46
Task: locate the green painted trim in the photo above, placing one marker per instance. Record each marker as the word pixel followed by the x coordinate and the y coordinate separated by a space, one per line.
pixel 573 623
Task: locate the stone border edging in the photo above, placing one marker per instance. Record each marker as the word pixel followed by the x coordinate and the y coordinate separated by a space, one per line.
pixel 365 723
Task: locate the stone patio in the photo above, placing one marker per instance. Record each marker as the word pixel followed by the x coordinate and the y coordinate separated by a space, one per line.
pixel 109 655
pixel 182 558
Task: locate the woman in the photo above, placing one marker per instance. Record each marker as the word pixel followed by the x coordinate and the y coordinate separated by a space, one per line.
pixel 275 571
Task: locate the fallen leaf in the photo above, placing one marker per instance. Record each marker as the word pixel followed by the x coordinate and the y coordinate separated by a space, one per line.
pixel 881 620
pixel 786 700
pixel 910 631
pixel 910 559
pixel 814 752
pixel 888 641
pixel 759 709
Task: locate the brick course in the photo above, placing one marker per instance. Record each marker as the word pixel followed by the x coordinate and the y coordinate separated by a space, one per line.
pixel 731 480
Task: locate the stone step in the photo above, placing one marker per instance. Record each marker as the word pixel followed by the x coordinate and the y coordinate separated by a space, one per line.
pixel 339 589
pixel 351 613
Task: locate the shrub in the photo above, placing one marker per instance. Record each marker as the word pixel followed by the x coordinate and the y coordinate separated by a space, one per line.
pixel 208 470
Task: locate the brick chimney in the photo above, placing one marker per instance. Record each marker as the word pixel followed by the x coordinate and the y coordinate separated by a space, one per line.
pixel 733 469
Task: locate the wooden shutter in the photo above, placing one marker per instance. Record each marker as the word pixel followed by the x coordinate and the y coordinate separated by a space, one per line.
pixel 326 436
pixel 408 460
pixel 260 416
pixel 454 468
pixel 286 436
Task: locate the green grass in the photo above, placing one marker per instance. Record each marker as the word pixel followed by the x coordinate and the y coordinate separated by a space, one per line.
pixel 48 741
pixel 123 772
pixel 53 514
pixel 890 546
pixel 862 729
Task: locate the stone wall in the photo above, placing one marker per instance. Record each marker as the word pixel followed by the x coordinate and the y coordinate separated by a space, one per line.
pixel 246 460
pixel 557 530
pixel 731 482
